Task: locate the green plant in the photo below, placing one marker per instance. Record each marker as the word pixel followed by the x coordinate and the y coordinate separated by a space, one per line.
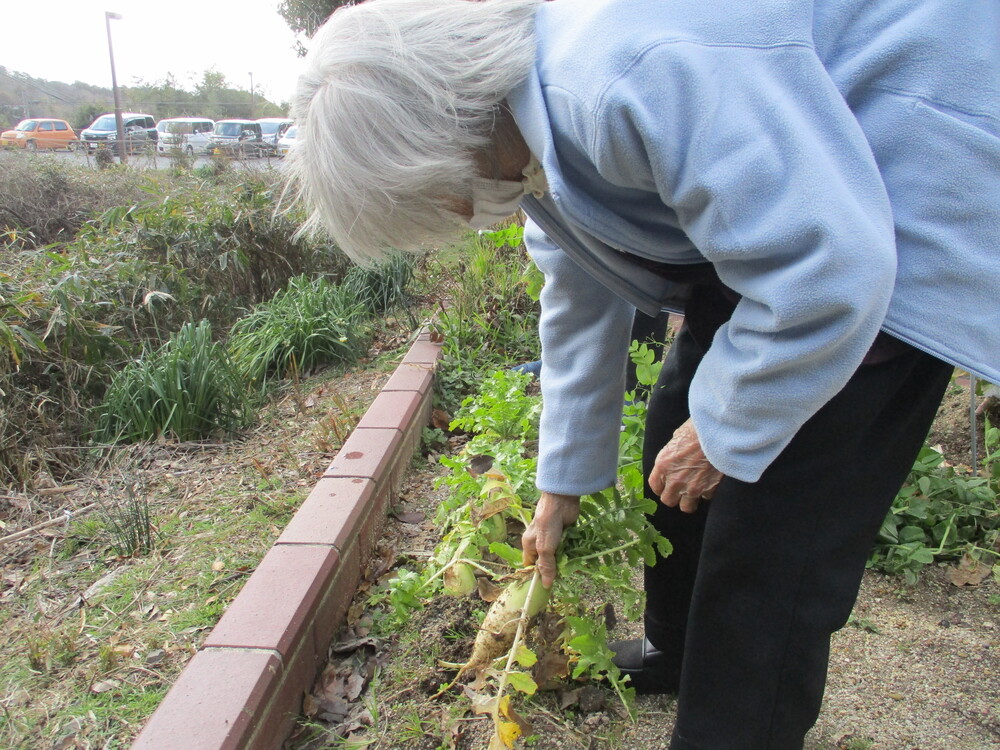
pixel 942 515
pixel 48 651
pixel 381 286
pixel 491 320
pixel 433 439
pixel 180 161
pixel 308 324
pixel 187 389
pixel 863 623
pixel 491 480
pixel 501 410
pixel 415 727
pixel 128 522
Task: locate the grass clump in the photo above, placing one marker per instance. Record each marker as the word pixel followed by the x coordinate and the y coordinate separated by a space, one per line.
pixel 128 523
pixel 309 324
pixel 188 389
pixel 380 287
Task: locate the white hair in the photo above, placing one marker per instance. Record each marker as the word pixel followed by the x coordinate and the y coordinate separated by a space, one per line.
pixel 396 98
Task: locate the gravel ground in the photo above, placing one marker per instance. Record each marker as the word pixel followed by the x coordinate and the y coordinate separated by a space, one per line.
pixel 928 679
pixel 918 668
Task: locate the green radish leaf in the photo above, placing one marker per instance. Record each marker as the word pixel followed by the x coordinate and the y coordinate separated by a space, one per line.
pixel 525 656
pixel 507 553
pixel 522 682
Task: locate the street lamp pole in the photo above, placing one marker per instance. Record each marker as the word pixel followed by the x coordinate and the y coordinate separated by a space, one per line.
pixel 119 126
pixel 251 95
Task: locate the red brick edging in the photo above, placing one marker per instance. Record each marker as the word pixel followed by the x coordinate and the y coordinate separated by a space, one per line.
pixel 244 687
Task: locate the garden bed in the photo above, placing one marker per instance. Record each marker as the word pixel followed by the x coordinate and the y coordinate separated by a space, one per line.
pixel 916 668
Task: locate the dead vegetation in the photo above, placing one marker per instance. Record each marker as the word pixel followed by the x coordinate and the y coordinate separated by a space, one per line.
pixel 90 640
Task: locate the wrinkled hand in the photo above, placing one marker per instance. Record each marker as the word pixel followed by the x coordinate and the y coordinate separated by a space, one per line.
pixel 682 475
pixel 541 539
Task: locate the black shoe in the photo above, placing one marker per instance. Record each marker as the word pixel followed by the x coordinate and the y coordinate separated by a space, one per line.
pixel 650 671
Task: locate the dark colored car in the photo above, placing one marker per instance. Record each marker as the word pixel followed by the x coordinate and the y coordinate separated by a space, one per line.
pixel 139 132
pixel 239 138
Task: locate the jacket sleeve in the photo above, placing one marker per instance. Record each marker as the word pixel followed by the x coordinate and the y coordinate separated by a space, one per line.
pixel 584 330
pixel 773 180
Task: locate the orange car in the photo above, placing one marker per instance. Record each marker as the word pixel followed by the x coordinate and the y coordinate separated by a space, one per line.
pixel 39 133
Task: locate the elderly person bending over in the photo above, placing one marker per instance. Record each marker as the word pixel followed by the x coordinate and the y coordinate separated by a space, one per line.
pixel 815 185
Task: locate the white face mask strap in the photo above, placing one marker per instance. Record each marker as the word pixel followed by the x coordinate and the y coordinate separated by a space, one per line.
pixel 495 200
pixel 534 178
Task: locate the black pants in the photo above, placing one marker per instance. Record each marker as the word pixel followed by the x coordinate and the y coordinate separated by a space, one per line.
pixel 763 573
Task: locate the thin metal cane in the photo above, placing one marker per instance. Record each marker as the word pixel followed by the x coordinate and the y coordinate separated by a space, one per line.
pixel 972 424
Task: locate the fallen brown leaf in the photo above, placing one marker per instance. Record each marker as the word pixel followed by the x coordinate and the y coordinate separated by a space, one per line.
pixel 440 419
pixel 568 698
pixel 104 686
pixel 968 572
pixel 348 647
pixel 480 464
pixel 550 669
pixel 488 591
pixel 310 706
pixel 411 517
pixel 354 686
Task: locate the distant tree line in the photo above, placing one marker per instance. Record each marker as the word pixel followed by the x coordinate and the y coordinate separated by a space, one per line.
pixel 80 103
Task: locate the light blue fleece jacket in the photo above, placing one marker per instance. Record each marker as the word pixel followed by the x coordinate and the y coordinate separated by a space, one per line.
pixel 838 162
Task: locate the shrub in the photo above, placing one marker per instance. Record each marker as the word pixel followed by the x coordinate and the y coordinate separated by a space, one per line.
pixel 381 286
pixel 187 389
pixel 309 324
pixel 139 255
pixel 213 246
pixel 44 201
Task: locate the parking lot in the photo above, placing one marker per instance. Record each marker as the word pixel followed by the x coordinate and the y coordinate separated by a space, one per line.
pixel 147 160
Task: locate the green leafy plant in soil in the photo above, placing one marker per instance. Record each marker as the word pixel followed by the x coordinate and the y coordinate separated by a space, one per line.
pixel 942 515
pixel 530 638
pixel 129 522
pixel 490 320
pixel 188 389
pixel 383 286
pixel 308 324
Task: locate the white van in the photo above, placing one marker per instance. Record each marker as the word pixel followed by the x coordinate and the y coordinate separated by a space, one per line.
pixel 188 134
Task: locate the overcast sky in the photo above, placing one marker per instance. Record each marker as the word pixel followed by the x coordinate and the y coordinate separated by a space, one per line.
pixel 66 40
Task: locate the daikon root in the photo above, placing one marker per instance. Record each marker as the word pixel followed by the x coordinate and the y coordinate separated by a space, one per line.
pixel 496 634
